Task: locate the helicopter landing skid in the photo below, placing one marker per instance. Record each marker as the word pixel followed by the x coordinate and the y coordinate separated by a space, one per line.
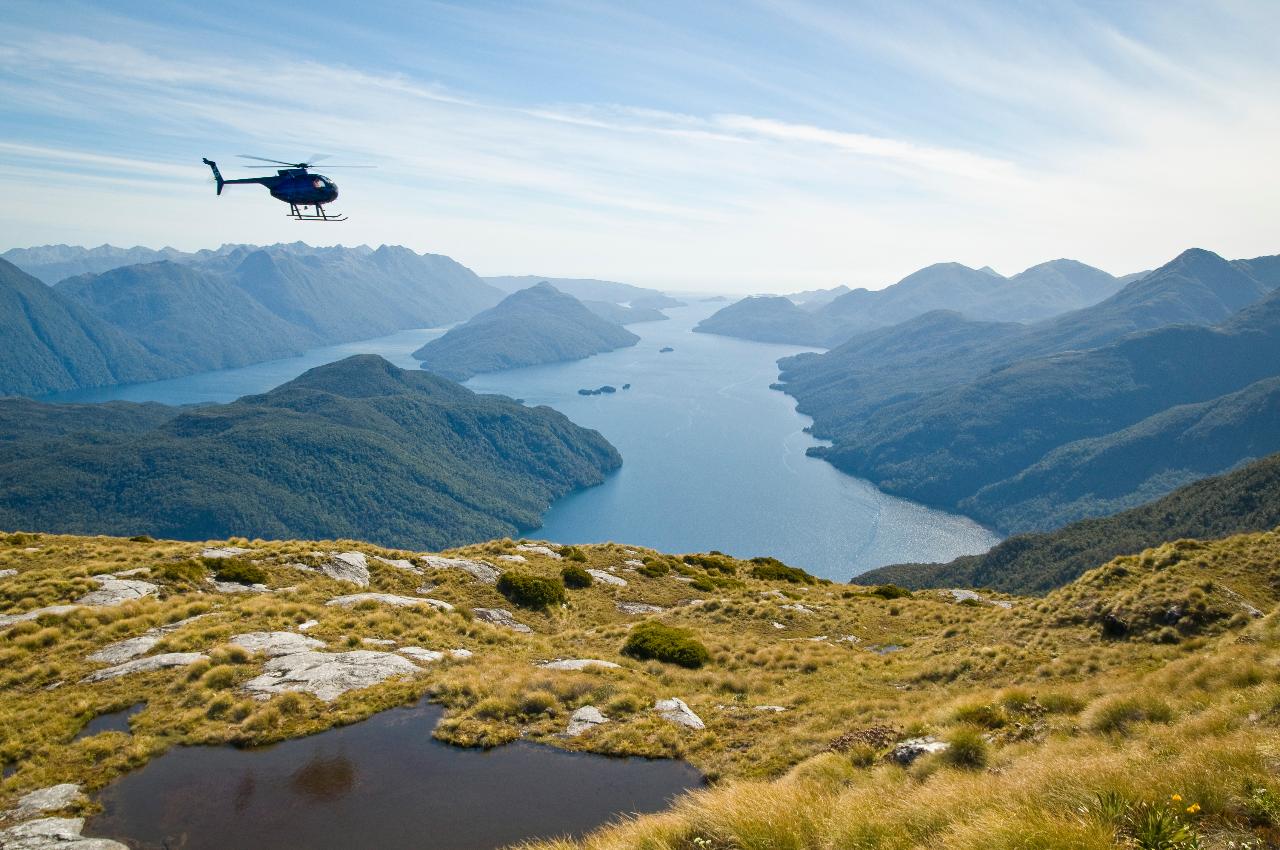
pixel 296 212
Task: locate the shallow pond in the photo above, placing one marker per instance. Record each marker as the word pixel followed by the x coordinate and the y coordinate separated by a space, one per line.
pixel 112 721
pixel 384 783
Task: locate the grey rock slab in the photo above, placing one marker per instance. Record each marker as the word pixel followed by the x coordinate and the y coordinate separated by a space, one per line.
pixel 275 643
pixel 35 613
pixel 7 573
pixel 798 608
pixel 388 599
pixel 905 752
pixel 328 675
pixel 540 550
pixel 136 571
pixel 49 799
pixel 501 617
pixel 399 564
pixel 575 664
pixel 634 563
pixel 676 711
pixel 116 591
pixel 347 566
pixel 223 552
pixel 585 719
pixel 460 653
pixel 146 665
pixel 423 656
pixel 121 651
pixel 478 570
pixel 639 608
pixel 53 834
pixel 236 587
pixel 308 625
pixel 607 578
pixel 515 559
pixel 774 708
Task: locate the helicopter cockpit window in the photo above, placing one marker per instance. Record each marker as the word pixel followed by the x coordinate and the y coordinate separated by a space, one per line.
pixel 318 183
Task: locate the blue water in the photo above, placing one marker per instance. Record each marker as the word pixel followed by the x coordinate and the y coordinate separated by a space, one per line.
pixel 712 458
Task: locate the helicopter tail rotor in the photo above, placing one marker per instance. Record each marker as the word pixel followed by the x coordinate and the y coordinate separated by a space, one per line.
pixel 217 175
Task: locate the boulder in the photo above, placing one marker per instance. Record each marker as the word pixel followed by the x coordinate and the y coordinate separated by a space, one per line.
pixel 500 617
pixel 53 834
pixel 146 665
pixel 515 559
pixel 913 748
pixel 7 573
pixel 124 650
pixel 633 563
pixel 236 587
pixel 676 711
pixel 223 552
pixel 136 571
pixel 575 664
pixel 798 608
pixel 460 653
pixel 275 643
pixel 35 613
pixel 478 570
pixel 777 709
pixel 399 564
pixel 584 719
pixel 328 675
pixel 540 550
pixel 308 625
pixel 115 591
pixel 49 799
pixel 607 578
pixel 378 641
pixel 347 566
pixel 388 599
pixel 422 656
pixel 639 608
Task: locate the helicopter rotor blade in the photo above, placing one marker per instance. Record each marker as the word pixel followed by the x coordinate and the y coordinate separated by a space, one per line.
pixel 264 159
pixel 316 157
pixel 327 167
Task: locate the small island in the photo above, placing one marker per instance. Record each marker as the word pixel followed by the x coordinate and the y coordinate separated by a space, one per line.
pixel 605 390
pixel 667 350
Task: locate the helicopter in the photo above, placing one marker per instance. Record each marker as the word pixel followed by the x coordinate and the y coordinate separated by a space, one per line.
pixel 294 184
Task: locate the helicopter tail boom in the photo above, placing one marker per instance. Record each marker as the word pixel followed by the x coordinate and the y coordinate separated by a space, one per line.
pixel 217 175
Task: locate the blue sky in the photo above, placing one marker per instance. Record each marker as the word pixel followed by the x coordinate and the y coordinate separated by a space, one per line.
pixel 744 146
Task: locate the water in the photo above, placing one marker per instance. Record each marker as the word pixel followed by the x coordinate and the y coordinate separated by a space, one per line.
pixel 112 721
pixel 381 783
pixel 713 459
pixel 229 384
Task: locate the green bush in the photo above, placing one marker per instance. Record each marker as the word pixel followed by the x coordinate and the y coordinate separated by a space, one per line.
pixel 142 538
pixel 1118 715
pixel 716 562
pixel 182 572
pixel 241 572
pixel 771 569
pixel 890 591
pixel 703 583
pixel 654 568
pixel 573 553
pixel 575 576
pixel 666 643
pixel 531 591
pixel 968 749
pixel 980 714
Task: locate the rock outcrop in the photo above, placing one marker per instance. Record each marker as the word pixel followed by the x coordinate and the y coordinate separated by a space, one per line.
pixel 116 591
pixel 501 617
pixel 388 599
pixel 146 665
pixel 276 643
pixel 50 799
pixel 607 578
pixel 124 650
pixel 584 720
pixel 913 748
pixel 540 550
pixel 328 675
pixel 347 566
pixel 639 608
pixel 676 711
pixel 478 570
pixel 575 664
pixel 53 834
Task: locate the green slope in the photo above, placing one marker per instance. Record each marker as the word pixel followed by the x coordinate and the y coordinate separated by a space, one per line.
pixel 1247 499
pixel 357 448
pixel 48 342
pixel 535 325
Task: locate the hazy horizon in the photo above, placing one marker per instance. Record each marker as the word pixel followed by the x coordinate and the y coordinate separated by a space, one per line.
pixel 722 147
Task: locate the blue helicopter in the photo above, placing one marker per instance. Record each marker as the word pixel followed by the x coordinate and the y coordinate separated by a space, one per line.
pixel 294 185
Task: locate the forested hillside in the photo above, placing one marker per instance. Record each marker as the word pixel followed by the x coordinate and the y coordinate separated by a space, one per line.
pixel 354 448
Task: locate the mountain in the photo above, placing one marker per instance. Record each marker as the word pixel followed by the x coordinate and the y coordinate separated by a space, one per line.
pixel 343 295
pixel 771 318
pixel 1247 499
pixel 620 315
pixel 588 289
pixel 540 324
pixel 52 263
pixel 811 299
pixel 945 446
pixel 357 448
pixel 48 342
pixel 1037 293
pixel 196 320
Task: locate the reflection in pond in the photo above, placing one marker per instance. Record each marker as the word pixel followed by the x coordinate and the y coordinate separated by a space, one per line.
pixel 384 783
pixel 112 721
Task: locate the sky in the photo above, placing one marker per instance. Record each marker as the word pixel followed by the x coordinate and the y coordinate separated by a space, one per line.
pixel 752 145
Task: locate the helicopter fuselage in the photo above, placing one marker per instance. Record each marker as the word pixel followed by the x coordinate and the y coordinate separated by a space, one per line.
pixel 298 186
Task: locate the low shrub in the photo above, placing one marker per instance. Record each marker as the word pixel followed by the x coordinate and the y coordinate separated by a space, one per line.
pixel 771 569
pixel 241 572
pixel 654 568
pixel 575 576
pixel 666 643
pixel 531 591
pixel 890 591
pixel 182 572
pixel 1120 714
pixel 703 583
pixel 573 553
pixel 980 714
pixel 715 562
pixel 142 538
pixel 968 749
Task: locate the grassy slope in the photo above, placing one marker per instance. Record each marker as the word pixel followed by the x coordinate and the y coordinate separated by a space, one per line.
pixel 1211 673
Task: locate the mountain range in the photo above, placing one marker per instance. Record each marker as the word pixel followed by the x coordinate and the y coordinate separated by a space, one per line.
pixel 1042 291
pixel 356 448
pixel 969 415
pixel 540 324
pixel 589 289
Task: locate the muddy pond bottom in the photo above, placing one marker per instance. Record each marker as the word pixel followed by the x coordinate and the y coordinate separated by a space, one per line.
pixel 381 783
